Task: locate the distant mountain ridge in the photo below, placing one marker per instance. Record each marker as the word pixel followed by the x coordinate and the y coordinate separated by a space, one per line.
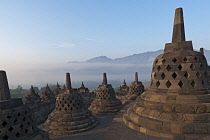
pixel 141 58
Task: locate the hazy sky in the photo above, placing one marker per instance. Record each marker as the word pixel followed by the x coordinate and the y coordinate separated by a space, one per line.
pixel 51 32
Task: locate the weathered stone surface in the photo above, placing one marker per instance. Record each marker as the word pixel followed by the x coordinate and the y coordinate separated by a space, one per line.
pixel 105 102
pixel 136 88
pixel 57 90
pixel 16 119
pixel 123 90
pixel 69 116
pixel 176 104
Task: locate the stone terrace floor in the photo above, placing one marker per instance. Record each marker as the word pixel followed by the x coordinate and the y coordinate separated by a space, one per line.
pixel 109 128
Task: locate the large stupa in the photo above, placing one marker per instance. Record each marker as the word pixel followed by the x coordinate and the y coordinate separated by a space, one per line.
pixel 177 103
pixel 70 116
pixel 16 119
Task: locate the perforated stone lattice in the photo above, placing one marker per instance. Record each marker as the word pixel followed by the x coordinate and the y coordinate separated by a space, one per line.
pixel 16 124
pixel 69 102
pixel 105 93
pixel 192 67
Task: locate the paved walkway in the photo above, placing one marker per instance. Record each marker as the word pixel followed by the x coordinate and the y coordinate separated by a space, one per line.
pixel 119 131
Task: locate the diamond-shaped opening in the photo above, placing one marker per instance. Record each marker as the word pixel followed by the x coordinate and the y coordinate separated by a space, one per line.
pixel 24 118
pixel 193 83
pixel 156 61
pixel 180 67
pixel 201 66
pixel 186 75
pixel 155 75
pixel 9 116
pixel 15 121
pixel 26 112
pixel 157 84
pixel 4 123
pixel 65 109
pixel 163 61
pixel 168 84
pixel 18 114
pixel 192 66
pixel 180 84
pixel 10 129
pixel 32 128
pixel 29 123
pixel 68 105
pixel 26 130
pixel 185 59
pixel 168 67
pixel 158 68
pixel 198 74
pixel 196 59
pixel 205 74
pixel 18 134
pixel 71 108
pixel 162 75
pixel 5 137
pixel 21 126
pixel 202 82
pixel 174 60
pixel 174 75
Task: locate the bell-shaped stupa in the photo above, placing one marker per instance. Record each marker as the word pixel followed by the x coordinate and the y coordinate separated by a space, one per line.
pixel 123 89
pixel 177 103
pixel 69 116
pixel 57 90
pixel 105 102
pixel 136 88
pixel 16 119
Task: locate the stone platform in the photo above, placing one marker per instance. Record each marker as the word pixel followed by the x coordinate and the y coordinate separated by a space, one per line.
pixel 119 131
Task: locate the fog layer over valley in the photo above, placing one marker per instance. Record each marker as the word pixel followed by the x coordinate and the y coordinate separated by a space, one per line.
pixel 89 71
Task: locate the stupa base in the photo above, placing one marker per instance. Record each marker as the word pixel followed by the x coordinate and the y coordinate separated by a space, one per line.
pixel 163 135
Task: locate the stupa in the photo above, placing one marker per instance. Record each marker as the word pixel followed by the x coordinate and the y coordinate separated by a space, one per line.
pixel 105 102
pixel 136 88
pixel 177 103
pixel 33 97
pixel 49 99
pixel 16 119
pixel 83 89
pixel 34 102
pixel 70 116
pixel 57 90
pixel 123 90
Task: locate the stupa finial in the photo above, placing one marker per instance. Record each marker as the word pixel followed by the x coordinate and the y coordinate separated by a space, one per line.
pixel 68 81
pixel 201 50
pixel 136 77
pixel 104 79
pixel 4 88
pixel 178 31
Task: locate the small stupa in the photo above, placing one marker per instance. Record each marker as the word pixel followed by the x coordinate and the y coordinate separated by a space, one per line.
pixel 83 89
pixel 176 105
pixel 34 102
pixel 70 116
pixel 136 88
pixel 123 90
pixel 57 90
pixel 48 98
pixel 105 102
pixel 33 97
pixel 16 119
